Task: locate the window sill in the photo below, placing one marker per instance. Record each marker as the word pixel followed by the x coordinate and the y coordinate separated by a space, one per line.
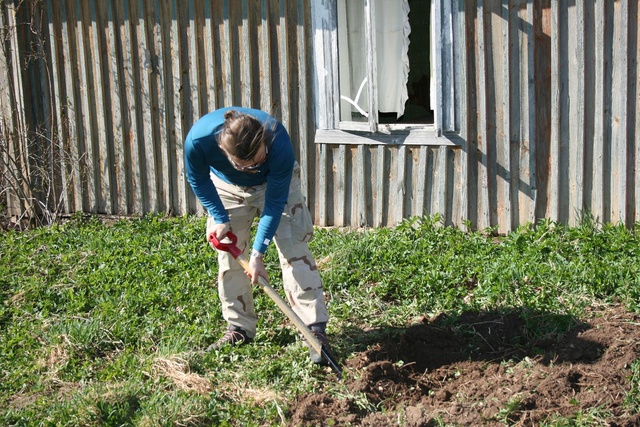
pixel 407 135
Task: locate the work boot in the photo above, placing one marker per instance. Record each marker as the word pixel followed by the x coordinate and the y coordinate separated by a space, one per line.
pixel 318 330
pixel 234 336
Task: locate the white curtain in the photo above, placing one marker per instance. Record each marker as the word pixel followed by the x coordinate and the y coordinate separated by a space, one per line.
pixel 392 45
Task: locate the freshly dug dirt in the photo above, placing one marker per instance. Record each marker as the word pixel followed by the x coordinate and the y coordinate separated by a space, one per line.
pixel 485 369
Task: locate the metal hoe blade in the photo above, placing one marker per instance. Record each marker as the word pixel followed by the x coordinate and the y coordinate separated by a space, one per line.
pixel 333 363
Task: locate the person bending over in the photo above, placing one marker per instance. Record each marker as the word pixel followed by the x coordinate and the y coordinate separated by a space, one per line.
pixel 240 165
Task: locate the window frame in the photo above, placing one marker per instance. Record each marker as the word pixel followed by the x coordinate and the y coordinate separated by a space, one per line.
pixel 329 128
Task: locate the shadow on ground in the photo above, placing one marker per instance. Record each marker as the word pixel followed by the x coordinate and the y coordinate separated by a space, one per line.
pixel 517 367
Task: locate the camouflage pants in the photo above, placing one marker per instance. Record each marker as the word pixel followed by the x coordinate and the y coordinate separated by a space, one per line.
pixel 302 283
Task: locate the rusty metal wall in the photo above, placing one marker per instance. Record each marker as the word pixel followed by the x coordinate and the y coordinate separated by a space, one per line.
pixel 544 95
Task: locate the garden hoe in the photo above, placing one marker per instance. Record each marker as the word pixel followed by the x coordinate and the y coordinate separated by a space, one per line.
pixel 302 328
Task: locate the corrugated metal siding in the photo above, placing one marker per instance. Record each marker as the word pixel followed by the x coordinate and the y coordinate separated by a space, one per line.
pixel 544 95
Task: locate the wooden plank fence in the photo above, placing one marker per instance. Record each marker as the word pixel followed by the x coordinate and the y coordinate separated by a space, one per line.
pixel 543 97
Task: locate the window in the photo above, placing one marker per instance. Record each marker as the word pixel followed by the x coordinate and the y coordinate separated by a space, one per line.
pixel 376 72
pixel 396 59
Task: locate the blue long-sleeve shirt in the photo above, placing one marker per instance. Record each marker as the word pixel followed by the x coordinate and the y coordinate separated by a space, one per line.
pixel 202 155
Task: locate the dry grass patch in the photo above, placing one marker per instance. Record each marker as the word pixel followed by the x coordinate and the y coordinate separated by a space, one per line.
pixel 177 369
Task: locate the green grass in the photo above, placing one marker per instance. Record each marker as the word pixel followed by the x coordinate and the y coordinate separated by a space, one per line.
pixel 103 324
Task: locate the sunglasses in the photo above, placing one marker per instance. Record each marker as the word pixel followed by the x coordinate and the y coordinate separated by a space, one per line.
pixel 254 166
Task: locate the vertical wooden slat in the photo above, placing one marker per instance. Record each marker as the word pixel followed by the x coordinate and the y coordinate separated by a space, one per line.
pixel 147 150
pixel 398 186
pixel 360 215
pixel 95 109
pixel 461 48
pixel 246 76
pixel 503 139
pixel 264 57
pixel 325 88
pixel 443 182
pixel 608 102
pixel 68 103
pixel 12 109
pixel 6 97
pixel 588 104
pixel 562 111
pixel 83 102
pixel 422 180
pixel 42 75
pixel 325 47
pixel 530 122
pixel 483 134
pixel 41 117
pixel 272 12
pixel 219 83
pixel 459 65
pixel 619 118
pixel 227 55
pixel 636 99
pixel 576 114
pixel 323 194
pixel 554 173
pixel 253 51
pixel 173 60
pixel 209 58
pixel 154 65
pixel 98 107
pixel 598 197
pixel 339 167
pixel 448 76
pixel 71 102
pixel 192 100
pixel 134 49
pixel 519 29
pixel 57 64
pixel 381 183
pixel 213 65
pixel 283 65
pixel 232 28
pixel 436 31
pixel 291 91
pixel 543 96
pixel 372 67
pixel 76 104
pixel 301 101
pixel 131 153
pixel 117 100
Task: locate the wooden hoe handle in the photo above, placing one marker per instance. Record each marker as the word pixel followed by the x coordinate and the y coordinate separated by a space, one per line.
pixel 231 247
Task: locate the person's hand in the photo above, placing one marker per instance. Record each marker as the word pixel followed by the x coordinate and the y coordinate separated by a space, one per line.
pixel 256 269
pixel 220 230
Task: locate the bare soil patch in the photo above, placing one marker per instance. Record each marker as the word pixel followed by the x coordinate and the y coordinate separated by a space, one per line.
pixel 485 369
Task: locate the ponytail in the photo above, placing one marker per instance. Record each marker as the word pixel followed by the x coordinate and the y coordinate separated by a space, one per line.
pixel 242 135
